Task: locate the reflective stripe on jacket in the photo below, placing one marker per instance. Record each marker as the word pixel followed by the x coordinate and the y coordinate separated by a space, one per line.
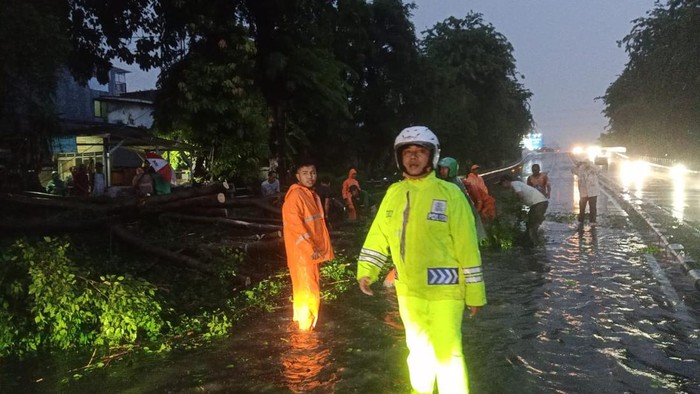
pixel 427 228
pixel 305 228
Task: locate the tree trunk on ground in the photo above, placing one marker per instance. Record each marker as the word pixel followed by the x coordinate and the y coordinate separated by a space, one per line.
pixel 203 211
pixel 229 222
pixel 59 203
pixel 54 225
pixel 206 200
pixel 166 256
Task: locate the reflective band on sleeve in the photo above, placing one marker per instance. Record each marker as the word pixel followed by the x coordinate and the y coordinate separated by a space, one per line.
pixel 473 275
pixel 443 276
pixel 312 218
pixel 373 257
pixel 302 238
pixel 474 279
pixel 375 254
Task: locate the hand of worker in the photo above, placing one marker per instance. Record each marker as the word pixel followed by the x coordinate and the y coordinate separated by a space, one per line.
pixel 473 310
pixel 315 256
pixel 364 286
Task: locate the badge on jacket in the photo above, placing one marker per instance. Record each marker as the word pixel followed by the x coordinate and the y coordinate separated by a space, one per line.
pixel 437 211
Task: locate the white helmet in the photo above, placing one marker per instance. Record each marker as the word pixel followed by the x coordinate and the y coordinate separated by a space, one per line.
pixel 417 135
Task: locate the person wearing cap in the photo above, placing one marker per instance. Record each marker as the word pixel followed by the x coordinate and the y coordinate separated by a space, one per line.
pixel 307 244
pixel 474 179
pixel 531 197
pixel 56 185
pixel 483 201
pixel 425 227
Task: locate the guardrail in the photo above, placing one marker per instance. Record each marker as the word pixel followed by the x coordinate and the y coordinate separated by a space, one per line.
pixel 676 251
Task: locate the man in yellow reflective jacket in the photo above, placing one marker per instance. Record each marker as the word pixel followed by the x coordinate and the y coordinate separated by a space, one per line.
pixel 307 244
pixel 427 228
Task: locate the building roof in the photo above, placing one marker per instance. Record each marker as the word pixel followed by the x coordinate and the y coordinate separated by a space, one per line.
pixel 123 135
pixel 139 97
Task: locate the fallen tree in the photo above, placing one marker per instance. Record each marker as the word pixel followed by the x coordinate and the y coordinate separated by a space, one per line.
pixel 166 256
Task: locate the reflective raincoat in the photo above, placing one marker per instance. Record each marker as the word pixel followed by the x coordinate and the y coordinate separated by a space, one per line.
pixel 347 196
pixel 305 233
pixel 427 228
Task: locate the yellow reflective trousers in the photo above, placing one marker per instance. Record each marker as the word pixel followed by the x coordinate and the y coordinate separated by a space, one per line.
pixel 434 340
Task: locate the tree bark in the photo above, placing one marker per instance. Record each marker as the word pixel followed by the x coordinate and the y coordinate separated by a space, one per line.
pixel 59 203
pixel 166 256
pixel 229 222
pixel 206 200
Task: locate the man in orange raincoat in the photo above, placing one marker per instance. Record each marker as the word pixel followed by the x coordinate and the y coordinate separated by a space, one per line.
pixel 484 203
pixel 307 243
pixel 347 195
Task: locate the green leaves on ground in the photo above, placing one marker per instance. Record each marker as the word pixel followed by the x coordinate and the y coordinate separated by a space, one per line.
pixel 47 302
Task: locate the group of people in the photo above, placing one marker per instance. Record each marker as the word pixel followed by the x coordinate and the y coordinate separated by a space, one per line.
pixel 427 228
pixel 536 193
pixel 354 199
pixel 83 181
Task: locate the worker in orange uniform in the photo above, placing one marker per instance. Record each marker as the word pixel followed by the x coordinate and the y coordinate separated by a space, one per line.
pixel 474 178
pixel 347 195
pixel 484 203
pixel 307 243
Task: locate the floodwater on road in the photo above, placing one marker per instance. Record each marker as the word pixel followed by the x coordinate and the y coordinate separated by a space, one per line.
pixel 587 312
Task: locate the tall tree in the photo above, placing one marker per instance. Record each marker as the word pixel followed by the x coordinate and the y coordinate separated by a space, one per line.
pixel 296 70
pixel 479 107
pixel 377 40
pixel 208 97
pixel 654 106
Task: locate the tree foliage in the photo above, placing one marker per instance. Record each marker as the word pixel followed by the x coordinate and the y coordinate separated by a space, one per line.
pixel 653 107
pixel 38 39
pixel 335 80
pixel 208 98
pixel 48 302
pixel 478 105
pixel 377 42
pixel 296 70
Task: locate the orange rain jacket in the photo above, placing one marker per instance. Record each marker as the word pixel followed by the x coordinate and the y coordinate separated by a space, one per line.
pixel 305 233
pixel 347 196
pixel 484 203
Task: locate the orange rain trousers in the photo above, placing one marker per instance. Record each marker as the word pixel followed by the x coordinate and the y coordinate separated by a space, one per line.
pixel 347 196
pixel 307 244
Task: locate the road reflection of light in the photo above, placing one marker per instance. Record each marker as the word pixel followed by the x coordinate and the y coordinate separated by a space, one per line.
pixel 592 152
pixel 678 173
pixel 634 173
pixel 577 196
pixel 304 363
